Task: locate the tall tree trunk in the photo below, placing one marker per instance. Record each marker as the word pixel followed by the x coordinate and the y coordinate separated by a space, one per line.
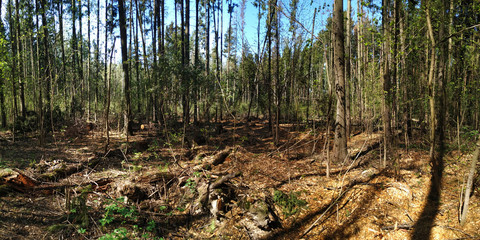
pixel 18 42
pixel 126 76
pixel 348 77
pixel 207 60
pixel 106 80
pixel 97 61
pixel 13 63
pixel 73 107
pixel 46 66
pixel 271 14
pixel 185 15
pixel 62 46
pixel 387 86
pixel 88 61
pixel 277 77
pixel 340 144
pixel 80 57
pixel 195 85
pixel 2 79
pixel 310 70
pixel 359 65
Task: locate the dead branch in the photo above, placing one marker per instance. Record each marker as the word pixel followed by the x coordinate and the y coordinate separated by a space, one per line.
pixel 398 226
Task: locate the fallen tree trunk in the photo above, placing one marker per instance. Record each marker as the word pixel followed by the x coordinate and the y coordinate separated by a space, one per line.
pixel 468 189
pixel 21 182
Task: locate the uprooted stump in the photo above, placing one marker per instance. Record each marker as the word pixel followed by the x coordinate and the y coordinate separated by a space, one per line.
pixel 209 196
pixel 260 218
pixel 138 189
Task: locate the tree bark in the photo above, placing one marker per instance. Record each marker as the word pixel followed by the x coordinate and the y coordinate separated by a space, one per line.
pixel 2 79
pixel 126 70
pixel 387 86
pixel 348 52
pixel 18 42
pixel 340 144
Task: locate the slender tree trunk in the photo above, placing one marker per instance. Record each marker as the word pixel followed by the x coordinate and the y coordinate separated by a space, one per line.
pixel 195 85
pixel 18 42
pixel 207 60
pixel 106 81
pixel 126 77
pixel 80 57
pixel 340 144
pixel 62 46
pixel 74 104
pixel 310 70
pixel 88 62
pixel 359 65
pixel 13 63
pixel 137 58
pixel 97 61
pixel 348 52
pixel 387 86
pixel 277 77
pixel 46 67
pixel 2 79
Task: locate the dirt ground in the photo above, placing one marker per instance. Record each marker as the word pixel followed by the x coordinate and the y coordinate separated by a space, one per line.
pixel 154 189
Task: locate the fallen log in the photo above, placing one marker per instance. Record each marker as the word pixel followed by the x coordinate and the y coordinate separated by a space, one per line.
pixel 214 160
pixel 21 182
pixel 61 170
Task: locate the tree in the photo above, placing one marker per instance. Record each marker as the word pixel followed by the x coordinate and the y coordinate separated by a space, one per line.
pixel 387 85
pixel 340 144
pixel 2 78
pixel 126 76
pixel 348 59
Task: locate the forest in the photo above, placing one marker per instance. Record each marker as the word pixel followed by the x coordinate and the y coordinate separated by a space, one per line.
pixel 239 119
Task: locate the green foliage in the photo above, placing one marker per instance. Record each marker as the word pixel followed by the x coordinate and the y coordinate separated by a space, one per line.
pixel 117 234
pixel 191 184
pixel 78 208
pixel 115 207
pixel 289 203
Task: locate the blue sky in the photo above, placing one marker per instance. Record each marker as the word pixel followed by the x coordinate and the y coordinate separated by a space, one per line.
pixel 304 16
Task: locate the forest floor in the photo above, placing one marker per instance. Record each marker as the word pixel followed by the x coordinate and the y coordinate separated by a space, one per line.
pixel 223 181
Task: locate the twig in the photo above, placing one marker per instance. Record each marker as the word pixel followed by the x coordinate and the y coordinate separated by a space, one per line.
pixel 398 226
pixel 458 230
pixel 321 216
pixel 340 195
pixel 125 157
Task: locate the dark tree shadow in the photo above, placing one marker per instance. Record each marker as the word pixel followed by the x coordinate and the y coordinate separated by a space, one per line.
pixel 422 229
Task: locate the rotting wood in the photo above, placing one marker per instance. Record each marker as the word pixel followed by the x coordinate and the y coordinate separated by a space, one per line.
pixel 220 157
pixel 206 189
pixel 21 182
pixel 216 159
